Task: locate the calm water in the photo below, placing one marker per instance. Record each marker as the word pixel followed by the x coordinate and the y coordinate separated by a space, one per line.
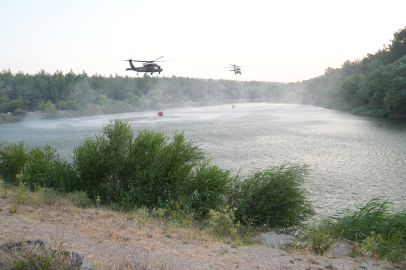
pixel 353 158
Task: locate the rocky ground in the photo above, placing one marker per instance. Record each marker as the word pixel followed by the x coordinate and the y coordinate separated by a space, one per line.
pixel 108 239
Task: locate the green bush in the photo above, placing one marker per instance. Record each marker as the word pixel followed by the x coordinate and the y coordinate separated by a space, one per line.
pixel 143 170
pixel 274 197
pixel 206 188
pixel 50 196
pixel 318 238
pixel 80 199
pixel 223 221
pixel 388 248
pixel 20 112
pixel 12 160
pixel 375 216
pixel 45 168
pixel 380 233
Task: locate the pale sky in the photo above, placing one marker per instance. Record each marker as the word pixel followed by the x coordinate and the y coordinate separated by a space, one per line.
pixel 280 41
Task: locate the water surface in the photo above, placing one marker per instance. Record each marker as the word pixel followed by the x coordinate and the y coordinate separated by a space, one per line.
pixel 353 158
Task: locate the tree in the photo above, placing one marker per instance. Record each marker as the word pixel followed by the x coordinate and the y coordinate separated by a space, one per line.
pixel 395 81
pixel 50 107
pixel 63 105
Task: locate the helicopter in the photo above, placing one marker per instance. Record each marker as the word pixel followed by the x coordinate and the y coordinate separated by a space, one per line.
pixel 148 66
pixel 236 69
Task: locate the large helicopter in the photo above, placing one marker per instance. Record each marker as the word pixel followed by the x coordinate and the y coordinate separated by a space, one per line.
pixel 236 69
pixel 148 66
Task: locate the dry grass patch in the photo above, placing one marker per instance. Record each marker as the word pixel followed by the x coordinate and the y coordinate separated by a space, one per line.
pixel 121 227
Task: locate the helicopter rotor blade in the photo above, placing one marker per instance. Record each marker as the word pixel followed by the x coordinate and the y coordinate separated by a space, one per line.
pixel 156 59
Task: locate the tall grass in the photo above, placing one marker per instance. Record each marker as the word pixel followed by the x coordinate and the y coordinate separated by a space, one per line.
pixel 376 216
pixel 377 231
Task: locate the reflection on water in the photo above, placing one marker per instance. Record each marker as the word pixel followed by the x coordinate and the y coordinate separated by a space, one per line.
pixel 353 158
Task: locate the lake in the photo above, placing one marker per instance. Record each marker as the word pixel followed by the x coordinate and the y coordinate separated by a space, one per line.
pixel 353 159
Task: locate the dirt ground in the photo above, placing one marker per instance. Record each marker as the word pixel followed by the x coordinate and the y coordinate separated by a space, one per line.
pixel 108 239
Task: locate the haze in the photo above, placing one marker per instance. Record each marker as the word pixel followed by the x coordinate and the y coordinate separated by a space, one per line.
pixel 281 41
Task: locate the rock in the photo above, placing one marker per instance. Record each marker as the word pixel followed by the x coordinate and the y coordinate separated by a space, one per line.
pixel 273 239
pixel 342 248
pixel 38 243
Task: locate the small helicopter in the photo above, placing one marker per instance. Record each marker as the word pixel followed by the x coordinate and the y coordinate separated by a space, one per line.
pixel 148 66
pixel 236 69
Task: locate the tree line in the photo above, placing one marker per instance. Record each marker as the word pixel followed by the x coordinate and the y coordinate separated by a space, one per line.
pixel 49 94
pixel 372 86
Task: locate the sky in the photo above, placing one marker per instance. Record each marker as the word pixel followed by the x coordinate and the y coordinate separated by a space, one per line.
pixel 277 41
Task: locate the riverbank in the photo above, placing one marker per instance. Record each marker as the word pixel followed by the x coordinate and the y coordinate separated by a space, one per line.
pixel 108 239
pixel 113 108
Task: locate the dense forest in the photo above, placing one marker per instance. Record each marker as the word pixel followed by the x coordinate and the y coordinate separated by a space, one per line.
pixel 372 86
pixel 44 95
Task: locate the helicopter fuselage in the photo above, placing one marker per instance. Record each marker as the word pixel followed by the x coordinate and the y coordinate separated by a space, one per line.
pixel 236 71
pixel 151 68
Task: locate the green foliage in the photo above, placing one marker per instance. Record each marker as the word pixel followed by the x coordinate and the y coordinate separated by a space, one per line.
pixel 142 214
pixel 4 188
pixel 375 216
pixel 377 81
pixel 33 262
pixel 319 238
pixel 390 248
pixel 181 215
pixel 273 197
pixel 395 80
pixel 80 199
pixel 366 110
pixel 38 258
pixel 12 160
pixel 21 194
pixel 20 112
pixel 223 221
pixel 128 170
pixel 50 107
pixel 85 95
pixel 348 90
pixel 45 168
pixel 378 233
pixel 159 213
pixel 49 196
pixel 206 188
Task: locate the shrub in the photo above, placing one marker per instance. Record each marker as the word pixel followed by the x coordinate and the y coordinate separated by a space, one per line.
pixel 12 160
pixel 376 246
pixel 375 216
pixel 223 221
pixel 45 168
pixel 20 112
pixel 33 256
pixel 379 232
pixel 206 187
pixel 50 196
pixel 80 199
pixel 128 170
pixel 273 197
pixel 318 238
